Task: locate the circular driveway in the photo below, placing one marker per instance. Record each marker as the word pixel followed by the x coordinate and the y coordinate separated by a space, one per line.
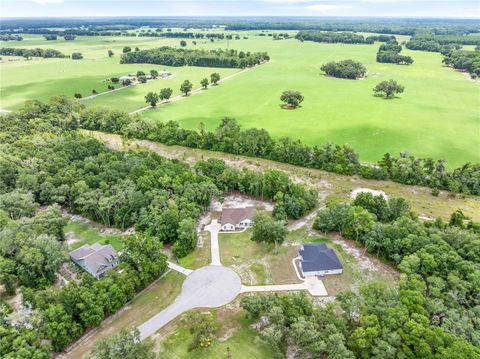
pixel 211 286
pixel 208 287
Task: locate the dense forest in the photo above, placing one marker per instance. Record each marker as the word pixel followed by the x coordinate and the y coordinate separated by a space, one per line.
pixel 45 163
pixel 332 37
pixel 46 53
pixel 390 53
pixel 464 60
pixel 341 37
pixel 437 43
pixel 433 314
pixel 254 142
pixel 409 26
pixel 170 56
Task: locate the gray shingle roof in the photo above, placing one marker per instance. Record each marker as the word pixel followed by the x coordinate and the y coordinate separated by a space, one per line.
pixel 318 257
pixel 95 257
pixel 236 215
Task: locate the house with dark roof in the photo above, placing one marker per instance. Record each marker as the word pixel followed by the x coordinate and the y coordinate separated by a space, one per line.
pixel 95 259
pixel 318 259
pixel 236 218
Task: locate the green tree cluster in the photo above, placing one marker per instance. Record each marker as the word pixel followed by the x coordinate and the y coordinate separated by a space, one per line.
pixel 346 69
pixel 170 56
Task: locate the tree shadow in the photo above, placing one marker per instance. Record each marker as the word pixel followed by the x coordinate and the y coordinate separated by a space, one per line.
pixel 379 95
pixel 285 106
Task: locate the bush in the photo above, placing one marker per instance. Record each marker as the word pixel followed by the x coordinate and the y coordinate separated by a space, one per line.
pixel 77 56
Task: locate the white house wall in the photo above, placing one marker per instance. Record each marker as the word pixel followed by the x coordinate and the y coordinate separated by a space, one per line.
pixel 325 272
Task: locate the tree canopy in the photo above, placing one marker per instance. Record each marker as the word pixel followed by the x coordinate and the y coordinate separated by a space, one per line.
pixel 346 69
pixel 292 98
pixel 389 88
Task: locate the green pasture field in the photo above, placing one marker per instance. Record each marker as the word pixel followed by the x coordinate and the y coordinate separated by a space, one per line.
pixel 43 78
pixel 438 115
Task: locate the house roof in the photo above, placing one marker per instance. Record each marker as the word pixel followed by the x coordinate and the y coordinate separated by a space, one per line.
pixel 94 257
pixel 236 215
pixel 318 257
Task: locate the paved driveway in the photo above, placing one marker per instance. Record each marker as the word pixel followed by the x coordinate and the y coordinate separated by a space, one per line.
pixel 208 287
pixel 214 228
pixel 313 286
pixel 179 268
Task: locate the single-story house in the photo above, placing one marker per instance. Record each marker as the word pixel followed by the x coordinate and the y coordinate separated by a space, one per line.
pixel 236 218
pixel 318 259
pixel 126 77
pixel 96 259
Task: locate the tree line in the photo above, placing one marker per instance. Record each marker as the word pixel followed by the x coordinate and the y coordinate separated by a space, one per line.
pixel 333 37
pixel 254 142
pixel 437 43
pixel 27 53
pixel 464 60
pixel 170 56
pixel 411 27
pixel 390 53
pixel 9 37
pixel 433 313
pixel 161 198
pixel 180 35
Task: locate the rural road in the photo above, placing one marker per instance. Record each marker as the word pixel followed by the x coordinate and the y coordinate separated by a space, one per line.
pixel 214 228
pixel 207 287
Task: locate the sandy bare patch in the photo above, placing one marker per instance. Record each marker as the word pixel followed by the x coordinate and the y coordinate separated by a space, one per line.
pixel 237 200
pixel 70 238
pixel 302 222
pixel 365 261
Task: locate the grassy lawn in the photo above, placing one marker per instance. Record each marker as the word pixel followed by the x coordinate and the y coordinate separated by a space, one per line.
pixel 438 114
pixel 43 78
pixel 143 307
pixel 257 264
pixel 85 234
pixel 235 333
pixel 200 257
pixel 358 266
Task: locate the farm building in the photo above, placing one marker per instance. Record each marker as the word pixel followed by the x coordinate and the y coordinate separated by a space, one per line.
pixel 125 78
pixel 236 218
pixel 318 259
pixel 164 74
pixel 95 259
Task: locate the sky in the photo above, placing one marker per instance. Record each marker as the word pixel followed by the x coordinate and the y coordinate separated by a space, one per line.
pixel 359 8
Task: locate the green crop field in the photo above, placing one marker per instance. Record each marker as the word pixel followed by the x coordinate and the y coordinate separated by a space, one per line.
pixel 438 115
pixel 41 79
